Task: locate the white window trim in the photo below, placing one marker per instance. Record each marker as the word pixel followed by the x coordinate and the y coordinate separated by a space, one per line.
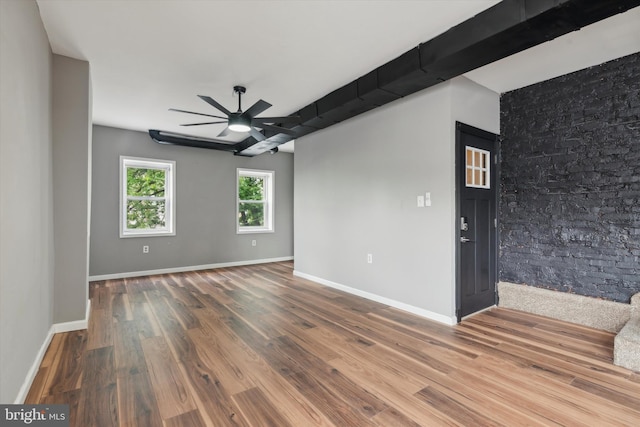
pixel 169 166
pixel 482 170
pixel 270 177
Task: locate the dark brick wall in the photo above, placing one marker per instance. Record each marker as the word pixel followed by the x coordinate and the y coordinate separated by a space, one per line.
pixel 570 182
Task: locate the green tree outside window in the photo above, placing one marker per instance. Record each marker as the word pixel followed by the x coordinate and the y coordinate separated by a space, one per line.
pixel 255 201
pixel 147 192
pixel 143 186
pixel 251 205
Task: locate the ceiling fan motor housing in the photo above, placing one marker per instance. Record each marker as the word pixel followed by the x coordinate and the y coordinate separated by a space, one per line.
pixel 239 122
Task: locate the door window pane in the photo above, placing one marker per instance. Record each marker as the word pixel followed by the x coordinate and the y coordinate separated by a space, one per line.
pixel 477 168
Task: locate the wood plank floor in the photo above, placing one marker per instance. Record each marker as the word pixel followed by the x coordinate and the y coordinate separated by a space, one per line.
pixel 256 346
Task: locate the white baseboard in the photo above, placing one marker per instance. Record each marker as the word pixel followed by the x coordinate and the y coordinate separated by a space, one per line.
pixel 188 268
pixel 56 328
pixel 383 300
pixel 75 325
pixel 33 370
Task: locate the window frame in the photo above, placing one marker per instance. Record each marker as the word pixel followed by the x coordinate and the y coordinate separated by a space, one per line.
pixel 169 166
pixel 484 172
pixel 269 201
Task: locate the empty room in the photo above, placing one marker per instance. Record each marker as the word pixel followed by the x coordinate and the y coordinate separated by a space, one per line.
pixel 320 213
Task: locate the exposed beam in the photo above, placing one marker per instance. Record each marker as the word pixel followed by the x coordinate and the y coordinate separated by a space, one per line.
pixel 162 137
pixel 507 28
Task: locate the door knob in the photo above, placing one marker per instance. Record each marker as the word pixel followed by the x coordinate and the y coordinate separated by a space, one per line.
pixel 465 239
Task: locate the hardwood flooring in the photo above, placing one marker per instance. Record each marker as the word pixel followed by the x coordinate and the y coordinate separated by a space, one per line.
pixel 256 346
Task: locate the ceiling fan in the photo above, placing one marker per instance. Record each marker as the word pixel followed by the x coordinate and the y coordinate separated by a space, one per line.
pixel 244 121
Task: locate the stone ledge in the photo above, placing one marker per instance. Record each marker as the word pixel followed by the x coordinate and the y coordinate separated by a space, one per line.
pixel 635 305
pixel 626 346
pixel 624 319
pixel 588 311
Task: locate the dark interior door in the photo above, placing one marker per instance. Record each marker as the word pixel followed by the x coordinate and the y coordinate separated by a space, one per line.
pixel 476 172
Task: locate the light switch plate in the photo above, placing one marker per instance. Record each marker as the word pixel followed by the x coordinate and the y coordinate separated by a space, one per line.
pixel 421 201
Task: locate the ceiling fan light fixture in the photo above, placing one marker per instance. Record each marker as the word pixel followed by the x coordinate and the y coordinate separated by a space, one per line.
pixel 239 124
pixel 239 127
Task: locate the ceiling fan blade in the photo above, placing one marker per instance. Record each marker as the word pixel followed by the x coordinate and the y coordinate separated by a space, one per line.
pixel 280 129
pixel 257 135
pixel 206 123
pixel 224 132
pixel 193 112
pixel 285 119
pixel 214 103
pixel 257 108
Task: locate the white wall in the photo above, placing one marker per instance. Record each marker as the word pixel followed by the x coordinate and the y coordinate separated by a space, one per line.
pixel 356 185
pixel 26 195
pixel 474 105
pixel 71 185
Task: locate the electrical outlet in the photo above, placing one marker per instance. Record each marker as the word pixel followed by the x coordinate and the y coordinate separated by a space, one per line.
pixel 145 249
pixel 254 243
pixel 370 258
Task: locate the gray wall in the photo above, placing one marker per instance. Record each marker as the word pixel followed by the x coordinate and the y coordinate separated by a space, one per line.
pixel 205 207
pixel 71 159
pixel 26 194
pixel 356 189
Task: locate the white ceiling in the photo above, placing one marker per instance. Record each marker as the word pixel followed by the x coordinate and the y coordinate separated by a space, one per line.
pixel 147 56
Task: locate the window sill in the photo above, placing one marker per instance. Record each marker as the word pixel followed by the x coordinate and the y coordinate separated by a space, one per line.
pixel 147 234
pixel 255 231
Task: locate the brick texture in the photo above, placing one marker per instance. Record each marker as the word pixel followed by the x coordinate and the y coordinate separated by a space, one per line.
pixel 570 182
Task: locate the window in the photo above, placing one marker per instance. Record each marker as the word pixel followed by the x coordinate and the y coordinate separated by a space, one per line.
pixel 255 201
pixel 147 196
pixel 477 168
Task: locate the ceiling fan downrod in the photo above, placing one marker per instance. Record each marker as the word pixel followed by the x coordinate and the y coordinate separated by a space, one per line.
pixel 239 90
